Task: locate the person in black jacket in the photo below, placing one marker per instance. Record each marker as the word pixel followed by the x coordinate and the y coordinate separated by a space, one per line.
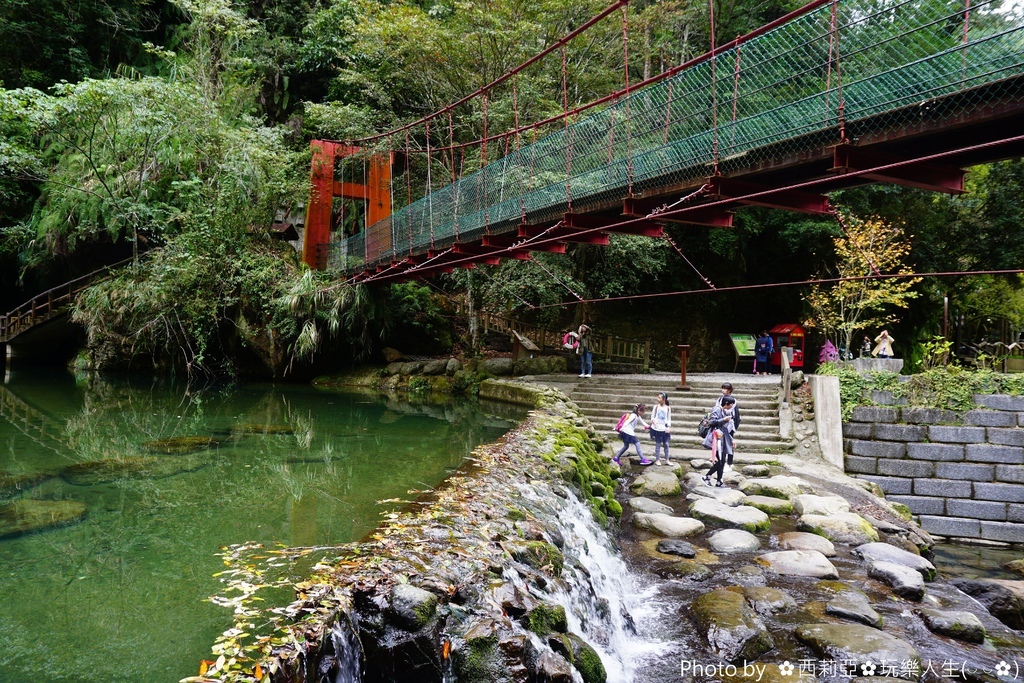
pixel 734 424
pixel 719 439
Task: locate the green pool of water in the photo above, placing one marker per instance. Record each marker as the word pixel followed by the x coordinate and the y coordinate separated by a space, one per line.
pixel 121 595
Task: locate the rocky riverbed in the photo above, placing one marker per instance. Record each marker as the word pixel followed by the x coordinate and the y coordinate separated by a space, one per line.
pixel 518 570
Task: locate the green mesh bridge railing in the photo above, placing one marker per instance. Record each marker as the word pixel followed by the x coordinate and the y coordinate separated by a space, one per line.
pixel 868 67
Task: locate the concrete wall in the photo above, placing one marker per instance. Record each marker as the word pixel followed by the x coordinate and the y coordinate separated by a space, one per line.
pixel 962 475
pixel 828 417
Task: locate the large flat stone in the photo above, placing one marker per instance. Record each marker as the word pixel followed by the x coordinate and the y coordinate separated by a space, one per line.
pixel 728 541
pixel 765 601
pixel 656 483
pixel 799 563
pixel 954 624
pixel 854 606
pixel 641 504
pixel 741 517
pixel 884 552
pixel 779 486
pixel 1003 599
pixel 905 581
pixel 847 528
pixel 667 525
pixel 725 496
pixel 857 643
pixel 809 504
pixel 769 505
pixel 801 540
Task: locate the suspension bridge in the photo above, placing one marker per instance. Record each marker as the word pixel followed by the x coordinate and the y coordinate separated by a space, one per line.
pixel 836 94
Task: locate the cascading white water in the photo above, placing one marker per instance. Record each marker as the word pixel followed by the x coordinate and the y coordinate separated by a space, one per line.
pixel 612 608
pixel 348 653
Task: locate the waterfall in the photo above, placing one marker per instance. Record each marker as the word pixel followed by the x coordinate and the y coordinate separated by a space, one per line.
pixel 616 611
pixel 348 652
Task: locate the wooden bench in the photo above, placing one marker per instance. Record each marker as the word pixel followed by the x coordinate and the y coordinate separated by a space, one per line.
pixel 743 346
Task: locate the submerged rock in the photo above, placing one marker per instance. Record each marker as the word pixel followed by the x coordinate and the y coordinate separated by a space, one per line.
pixel 667 525
pixel 733 541
pixel 1015 566
pixel 857 643
pixel 799 563
pixel 674 547
pixel 905 581
pixel 641 504
pixel 847 528
pixel 179 445
pixel 733 630
pixel 802 540
pixel 769 505
pixel 888 553
pixel 412 607
pixel 27 516
pixel 12 485
pixel 114 469
pixel 853 605
pixel 687 569
pixel 954 624
pixel 741 517
pixel 1003 599
pixel 264 429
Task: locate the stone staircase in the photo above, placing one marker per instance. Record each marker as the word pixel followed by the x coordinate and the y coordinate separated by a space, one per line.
pixel 603 399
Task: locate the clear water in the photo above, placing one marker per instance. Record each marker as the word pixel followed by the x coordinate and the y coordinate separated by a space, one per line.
pixel 121 595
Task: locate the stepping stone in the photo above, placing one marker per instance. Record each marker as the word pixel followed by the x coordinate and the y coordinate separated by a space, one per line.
pixel 27 516
pixel 666 525
pixel 858 644
pixel 725 496
pixel 779 486
pixel 1003 599
pixel 656 482
pixel 1015 566
pixel 801 540
pixel 954 624
pixel 733 541
pixel 767 601
pixel 701 464
pixel 799 563
pixel 740 517
pixel 674 547
pixel 755 470
pixel 905 581
pixel 733 630
pixel 641 504
pixel 855 606
pixel 769 505
pixel 808 504
pixel 884 552
pixel 847 528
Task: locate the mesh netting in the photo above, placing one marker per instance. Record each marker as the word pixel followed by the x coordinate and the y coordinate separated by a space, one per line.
pixel 871 65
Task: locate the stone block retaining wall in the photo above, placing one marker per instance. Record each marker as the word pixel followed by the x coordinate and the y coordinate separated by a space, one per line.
pixel 961 474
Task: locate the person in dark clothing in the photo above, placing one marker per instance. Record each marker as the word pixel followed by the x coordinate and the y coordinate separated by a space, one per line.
pixel 719 439
pixel 764 347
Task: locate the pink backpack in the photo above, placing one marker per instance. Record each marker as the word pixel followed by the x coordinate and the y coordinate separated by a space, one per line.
pixel 622 421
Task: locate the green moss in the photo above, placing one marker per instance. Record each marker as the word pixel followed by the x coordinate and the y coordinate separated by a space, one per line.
pixel 539 555
pixel 599 516
pixel 515 514
pixel 590 666
pixel 479 660
pixel 902 510
pixel 545 618
pixel 614 508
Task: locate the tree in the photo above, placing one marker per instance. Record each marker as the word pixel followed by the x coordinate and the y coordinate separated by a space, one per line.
pixel 869 247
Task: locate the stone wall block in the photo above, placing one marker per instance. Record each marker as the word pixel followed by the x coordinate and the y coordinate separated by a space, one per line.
pixel 1015 513
pixel 990 418
pixel 875 414
pixel 862 430
pixel 943 487
pixel 1009 493
pixel 856 465
pixel 929 416
pixel 886 398
pixel 1020 419
pixel 970 471
pixel 951 526
pixel 876 449
pixel 1010 473
pixel 906 468
pixel 1000 402
pixel 1002 531
pixel 897 485
pixel 896 432
pixel 983 452
pixel 1006 437
pixel 976 509
pixel 936 451
pixel 920 505
pixel 957 434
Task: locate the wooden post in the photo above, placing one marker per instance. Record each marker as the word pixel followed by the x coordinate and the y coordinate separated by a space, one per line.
pixel 647 358
pixel 684 354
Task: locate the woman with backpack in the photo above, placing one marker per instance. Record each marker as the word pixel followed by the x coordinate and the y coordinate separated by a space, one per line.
pixel 719 439
pixel 627 432
pixel 661 423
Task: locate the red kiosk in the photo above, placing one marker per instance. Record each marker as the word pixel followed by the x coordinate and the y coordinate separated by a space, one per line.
pixel 788 334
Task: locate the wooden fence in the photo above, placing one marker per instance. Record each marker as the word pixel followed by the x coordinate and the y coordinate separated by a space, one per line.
pixel 605 347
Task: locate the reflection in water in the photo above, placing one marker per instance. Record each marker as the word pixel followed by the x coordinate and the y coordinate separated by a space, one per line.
pixel 120 596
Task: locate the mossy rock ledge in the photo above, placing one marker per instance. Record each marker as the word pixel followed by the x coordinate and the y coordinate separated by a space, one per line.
pixel 477 574
pixel 29 516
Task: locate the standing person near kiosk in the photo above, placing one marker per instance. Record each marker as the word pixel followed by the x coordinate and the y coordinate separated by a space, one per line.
pixel 585 351
pixel 764 347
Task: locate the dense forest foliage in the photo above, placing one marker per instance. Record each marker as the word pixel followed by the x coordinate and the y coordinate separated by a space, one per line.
pixel 170 132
